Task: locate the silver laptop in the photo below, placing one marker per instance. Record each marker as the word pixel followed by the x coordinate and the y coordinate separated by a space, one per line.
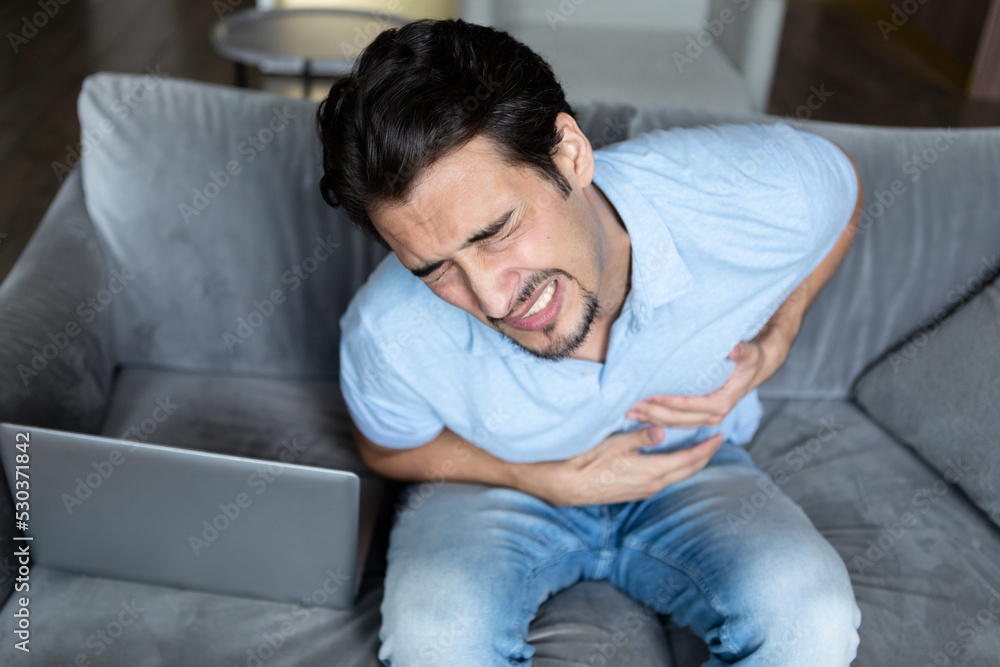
pixel 191 519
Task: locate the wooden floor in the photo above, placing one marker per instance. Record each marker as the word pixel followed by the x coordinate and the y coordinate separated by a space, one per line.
pixel 824 44
pixel 872 80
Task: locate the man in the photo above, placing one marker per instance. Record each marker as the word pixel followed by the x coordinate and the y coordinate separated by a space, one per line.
pixel 568 343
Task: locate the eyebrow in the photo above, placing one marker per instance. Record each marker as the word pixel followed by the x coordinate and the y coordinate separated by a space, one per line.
pixel 482 234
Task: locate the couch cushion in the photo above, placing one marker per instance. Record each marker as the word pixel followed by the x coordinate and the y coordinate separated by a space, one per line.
pixel 116 623
pixel 239 415
pixel 939 392
pixel 925 563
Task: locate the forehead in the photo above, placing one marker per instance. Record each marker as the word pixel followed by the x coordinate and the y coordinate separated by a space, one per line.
pixel 460 193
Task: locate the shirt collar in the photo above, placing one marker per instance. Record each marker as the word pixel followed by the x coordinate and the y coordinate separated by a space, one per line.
pixel 659 275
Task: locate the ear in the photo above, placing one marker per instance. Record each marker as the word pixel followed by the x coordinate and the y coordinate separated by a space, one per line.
pixel 574 155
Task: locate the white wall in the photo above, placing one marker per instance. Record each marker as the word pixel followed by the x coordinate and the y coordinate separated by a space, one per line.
pixel 675 15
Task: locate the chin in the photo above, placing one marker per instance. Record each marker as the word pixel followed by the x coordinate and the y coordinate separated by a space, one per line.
pixel 552 342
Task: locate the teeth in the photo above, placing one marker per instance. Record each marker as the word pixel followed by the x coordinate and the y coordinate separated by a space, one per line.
pixel 543 300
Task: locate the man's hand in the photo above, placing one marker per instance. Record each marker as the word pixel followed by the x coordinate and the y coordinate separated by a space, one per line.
pixel 752 362
pixel 614 471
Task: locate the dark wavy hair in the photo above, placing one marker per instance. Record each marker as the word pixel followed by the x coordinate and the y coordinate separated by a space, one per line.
pixel 417 93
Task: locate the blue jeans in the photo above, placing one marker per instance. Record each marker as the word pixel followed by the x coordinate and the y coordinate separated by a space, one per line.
pixel 724 552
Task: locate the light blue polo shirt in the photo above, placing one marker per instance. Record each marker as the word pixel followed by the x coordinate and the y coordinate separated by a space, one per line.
pixel 724 221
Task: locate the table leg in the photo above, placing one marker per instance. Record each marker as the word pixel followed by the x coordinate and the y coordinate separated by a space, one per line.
pixel 307 79
pixel 241 75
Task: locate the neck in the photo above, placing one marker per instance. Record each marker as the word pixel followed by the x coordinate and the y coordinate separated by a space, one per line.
pixel 616 280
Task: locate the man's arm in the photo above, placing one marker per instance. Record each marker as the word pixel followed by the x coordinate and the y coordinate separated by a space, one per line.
pixel 447 457
pixel 761 357
pixel 612 472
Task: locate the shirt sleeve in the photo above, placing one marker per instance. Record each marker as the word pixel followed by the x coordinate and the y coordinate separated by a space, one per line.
pixel 383 406
pixel 785 198
pixel 826 185
pixel 762 196
pixel 797 189
pixel 752 209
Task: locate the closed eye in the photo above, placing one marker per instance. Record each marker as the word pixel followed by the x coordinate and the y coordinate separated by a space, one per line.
pixel 506 236
pixel 486 242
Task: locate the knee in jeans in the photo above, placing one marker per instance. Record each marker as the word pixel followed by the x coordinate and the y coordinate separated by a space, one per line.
pixel 822 615
pixel 453 641
pixel 821 612
pixel 426 640
pixel 816 607
pixel 456 629
pixel 824 592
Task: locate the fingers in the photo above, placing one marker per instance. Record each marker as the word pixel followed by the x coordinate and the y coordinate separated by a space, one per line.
pixel 664 468
pixel 610 473
pixel 656 472
pixel 631 440
pixel 688 461
pixel 719 401
pixel 679 469
pixel 678 419
pixel 695 411
pixel 695 456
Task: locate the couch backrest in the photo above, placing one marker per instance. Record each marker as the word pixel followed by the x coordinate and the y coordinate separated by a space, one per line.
pixel 208 196
pixel 207 201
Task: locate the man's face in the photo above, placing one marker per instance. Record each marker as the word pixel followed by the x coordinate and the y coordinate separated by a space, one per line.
pixel 548 253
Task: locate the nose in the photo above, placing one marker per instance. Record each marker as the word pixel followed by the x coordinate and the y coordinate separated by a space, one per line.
pixel 495 290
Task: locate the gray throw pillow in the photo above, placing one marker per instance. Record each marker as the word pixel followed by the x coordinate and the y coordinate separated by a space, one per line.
pixel 940 394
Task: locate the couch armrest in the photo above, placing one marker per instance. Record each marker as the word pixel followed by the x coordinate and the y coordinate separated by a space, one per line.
pixel 56 339
pixel 56 358
pixel 751 41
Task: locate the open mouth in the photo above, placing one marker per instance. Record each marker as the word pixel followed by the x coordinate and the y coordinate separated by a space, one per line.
pixel 542 310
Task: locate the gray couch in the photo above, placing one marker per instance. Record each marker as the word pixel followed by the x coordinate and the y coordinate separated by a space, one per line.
pixel 203 201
